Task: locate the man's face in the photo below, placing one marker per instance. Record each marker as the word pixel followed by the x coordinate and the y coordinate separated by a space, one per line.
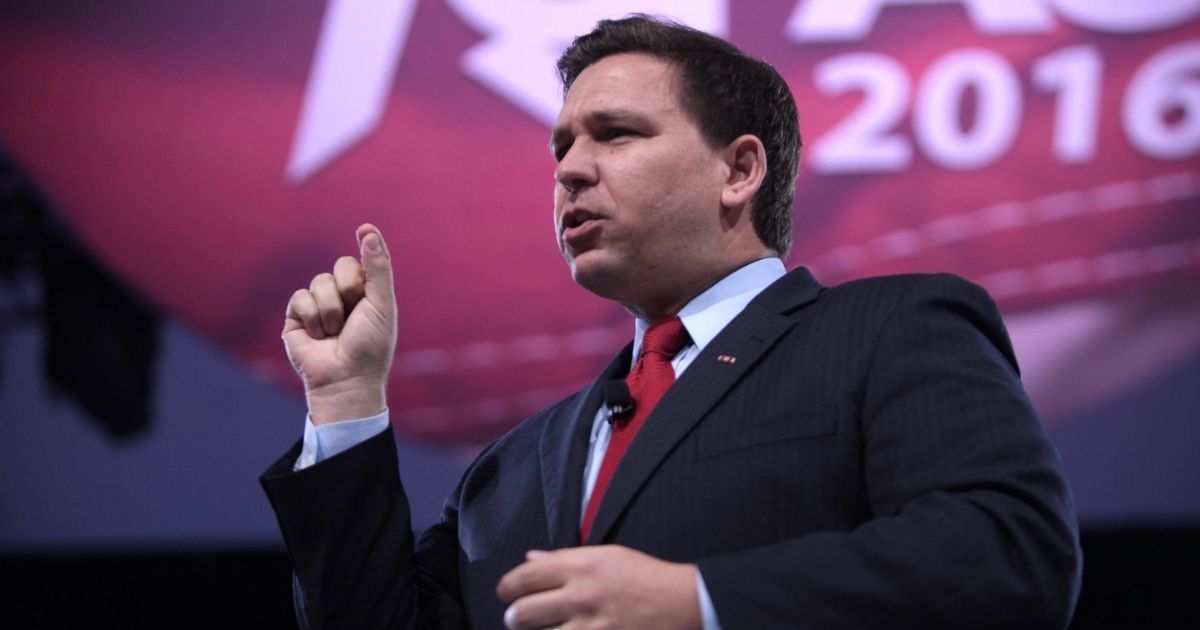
pixel 637 200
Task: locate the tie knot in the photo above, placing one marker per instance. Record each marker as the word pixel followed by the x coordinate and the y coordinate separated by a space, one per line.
pixel 664 337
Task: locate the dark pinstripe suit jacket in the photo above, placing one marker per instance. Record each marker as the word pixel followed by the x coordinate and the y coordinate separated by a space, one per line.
pixel 870 460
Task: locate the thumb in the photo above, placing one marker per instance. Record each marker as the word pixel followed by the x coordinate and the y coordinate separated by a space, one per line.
pixel 377 265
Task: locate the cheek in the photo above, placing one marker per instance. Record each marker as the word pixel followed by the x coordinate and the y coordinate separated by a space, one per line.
pixel 557 204
pixel 638 187
pixel 667 177
pixel 556 218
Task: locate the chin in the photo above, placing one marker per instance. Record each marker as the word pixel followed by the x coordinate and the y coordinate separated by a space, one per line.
pixel 605 280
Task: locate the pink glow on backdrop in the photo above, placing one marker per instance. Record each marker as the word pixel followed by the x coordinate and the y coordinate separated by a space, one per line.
pixel 164 134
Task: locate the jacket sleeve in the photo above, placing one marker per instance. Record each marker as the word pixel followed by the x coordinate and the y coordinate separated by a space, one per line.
pixel 347 527
pixel 972 523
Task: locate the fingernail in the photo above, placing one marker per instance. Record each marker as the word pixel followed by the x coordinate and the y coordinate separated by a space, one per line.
pixel 533 554
pixel 373 243
pixel 510 616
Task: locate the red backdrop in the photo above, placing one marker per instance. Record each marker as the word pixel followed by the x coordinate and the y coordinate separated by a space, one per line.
pixel 219 154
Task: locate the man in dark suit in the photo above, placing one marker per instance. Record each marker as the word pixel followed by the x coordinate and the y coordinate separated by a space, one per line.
pixel 858 456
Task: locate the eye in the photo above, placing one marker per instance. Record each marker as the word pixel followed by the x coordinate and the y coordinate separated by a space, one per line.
pixel 612 133
pixel 560 151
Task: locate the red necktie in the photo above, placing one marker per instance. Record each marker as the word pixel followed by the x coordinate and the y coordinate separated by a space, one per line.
pixel 649 379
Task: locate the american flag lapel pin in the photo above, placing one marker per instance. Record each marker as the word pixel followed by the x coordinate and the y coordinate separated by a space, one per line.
pixel 726 358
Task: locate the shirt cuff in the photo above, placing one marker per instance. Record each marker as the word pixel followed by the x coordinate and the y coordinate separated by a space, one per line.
pixel 321 443
pixel 708 614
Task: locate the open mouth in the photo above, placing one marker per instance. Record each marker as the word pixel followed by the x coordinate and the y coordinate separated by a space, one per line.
pixel 579 229
pixel 576 218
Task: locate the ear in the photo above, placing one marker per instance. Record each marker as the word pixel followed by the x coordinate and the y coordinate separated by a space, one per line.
pixel 746 159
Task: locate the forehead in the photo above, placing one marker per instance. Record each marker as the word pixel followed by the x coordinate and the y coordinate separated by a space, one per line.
pixel 625 81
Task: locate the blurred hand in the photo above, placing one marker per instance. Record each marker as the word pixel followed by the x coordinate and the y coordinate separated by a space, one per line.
pixel 340 333
pixel 599 587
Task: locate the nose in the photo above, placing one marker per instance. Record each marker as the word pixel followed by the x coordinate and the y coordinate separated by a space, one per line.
pixel 576 170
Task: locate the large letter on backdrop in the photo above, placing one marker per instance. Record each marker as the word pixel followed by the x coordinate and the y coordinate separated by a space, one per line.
pixel 1127 16
pixel 852 20
pixel 525 34
pixel 352 72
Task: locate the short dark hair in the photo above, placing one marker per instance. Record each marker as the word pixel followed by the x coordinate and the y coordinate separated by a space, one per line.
pixel 726 93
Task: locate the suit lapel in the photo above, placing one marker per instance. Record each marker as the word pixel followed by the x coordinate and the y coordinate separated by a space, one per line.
pixel 755 330
pixel 564 449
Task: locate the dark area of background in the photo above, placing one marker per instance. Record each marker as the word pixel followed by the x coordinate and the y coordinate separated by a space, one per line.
pixel 1136 579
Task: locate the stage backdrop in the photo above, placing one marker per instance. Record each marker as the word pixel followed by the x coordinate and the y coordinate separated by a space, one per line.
pixel 218 154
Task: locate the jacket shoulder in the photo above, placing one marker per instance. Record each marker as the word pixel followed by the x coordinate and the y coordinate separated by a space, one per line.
pixel 889 292
pixel 907 282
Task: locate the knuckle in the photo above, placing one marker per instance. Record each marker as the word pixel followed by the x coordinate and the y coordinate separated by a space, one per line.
pixel 586 566
pixel 518 585
pixel 301 304
pixel 321 279
pixel 583 598
pixel 329 304
pixel 347 270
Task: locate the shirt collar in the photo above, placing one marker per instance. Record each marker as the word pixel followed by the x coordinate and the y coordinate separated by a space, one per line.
pixel 708 313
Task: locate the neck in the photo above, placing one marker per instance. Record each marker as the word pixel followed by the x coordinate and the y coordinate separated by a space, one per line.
pixel 652 310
